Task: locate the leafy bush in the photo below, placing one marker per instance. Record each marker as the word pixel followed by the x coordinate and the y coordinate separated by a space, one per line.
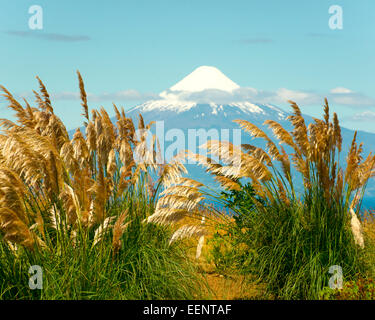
pixel 229 245
pixel 360 289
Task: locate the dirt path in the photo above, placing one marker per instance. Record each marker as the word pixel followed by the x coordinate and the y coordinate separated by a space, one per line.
pixel 232 287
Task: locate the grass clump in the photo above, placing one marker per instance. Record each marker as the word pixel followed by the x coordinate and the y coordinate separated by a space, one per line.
pixel 78 207
pixel 293 237
pixel 146 268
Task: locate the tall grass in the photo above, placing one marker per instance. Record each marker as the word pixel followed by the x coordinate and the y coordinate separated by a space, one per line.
pixel 78 206
pixel 146 268
pixel 294 237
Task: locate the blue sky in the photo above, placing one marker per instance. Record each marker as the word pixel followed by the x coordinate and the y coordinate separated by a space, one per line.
pixel 128 51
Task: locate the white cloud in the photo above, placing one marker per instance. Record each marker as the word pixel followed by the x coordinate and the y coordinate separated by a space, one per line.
pixel 339 90
pixel 280 96
pixel 284 94
pixel 352 99
pixel 338 96
pixel 124 95
pixel 364 116
pixel 65 96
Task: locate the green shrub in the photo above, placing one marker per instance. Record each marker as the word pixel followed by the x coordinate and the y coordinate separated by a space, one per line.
pixel 229 244
pixel 360 289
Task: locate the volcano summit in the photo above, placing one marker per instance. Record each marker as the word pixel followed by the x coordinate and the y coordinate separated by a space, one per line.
pixel 205 98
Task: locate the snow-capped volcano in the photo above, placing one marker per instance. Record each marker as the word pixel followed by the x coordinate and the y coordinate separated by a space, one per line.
pixel 190 104
pixel 210 89
pixel 206 99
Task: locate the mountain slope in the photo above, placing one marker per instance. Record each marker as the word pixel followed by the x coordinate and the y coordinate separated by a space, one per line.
pixel 184 107
pixel 181 115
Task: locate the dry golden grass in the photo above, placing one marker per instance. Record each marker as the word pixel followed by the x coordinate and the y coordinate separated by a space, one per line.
pixel 51 181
